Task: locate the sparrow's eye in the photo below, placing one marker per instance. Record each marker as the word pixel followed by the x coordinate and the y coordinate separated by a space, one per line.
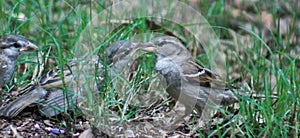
pixel 161 43
pixel 17 45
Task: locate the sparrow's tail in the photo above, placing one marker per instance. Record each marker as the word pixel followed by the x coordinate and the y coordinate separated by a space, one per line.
pixel 15 107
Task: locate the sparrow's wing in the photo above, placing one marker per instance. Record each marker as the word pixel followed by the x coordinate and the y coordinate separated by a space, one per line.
pixel 196 74
pixel 36 92
pixel 59 100
pixel 56 102
pixel 15 107
pixel 53 78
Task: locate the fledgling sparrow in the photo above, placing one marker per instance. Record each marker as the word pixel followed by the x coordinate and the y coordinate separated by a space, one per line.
pixel 188 82
pixel 11 47
pixel 53 99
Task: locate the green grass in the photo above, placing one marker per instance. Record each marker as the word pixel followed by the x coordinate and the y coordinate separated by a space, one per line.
pixel 56 27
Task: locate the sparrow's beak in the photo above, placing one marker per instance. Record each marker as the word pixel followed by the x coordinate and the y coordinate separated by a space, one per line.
pixel 148 47
pixel 28 47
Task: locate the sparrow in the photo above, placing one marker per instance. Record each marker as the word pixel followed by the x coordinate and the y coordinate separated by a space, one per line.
pixel 12 47
pixel 46 91
pixel 188 82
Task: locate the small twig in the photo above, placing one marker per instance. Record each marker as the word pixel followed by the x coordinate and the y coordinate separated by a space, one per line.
pixel 14 130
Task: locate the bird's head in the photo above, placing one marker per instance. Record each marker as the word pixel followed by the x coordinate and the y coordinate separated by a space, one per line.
pixel 123 50
pixel 15 45
pixel 166 46
pixel 119 49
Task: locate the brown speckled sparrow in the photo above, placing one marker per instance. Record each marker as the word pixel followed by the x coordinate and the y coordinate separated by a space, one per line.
pixel 11 47
pixel 188 82
pixel 53 99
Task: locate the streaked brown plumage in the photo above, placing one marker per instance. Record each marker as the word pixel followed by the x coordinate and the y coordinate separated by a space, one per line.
pixel 188 82
pixel 45 90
